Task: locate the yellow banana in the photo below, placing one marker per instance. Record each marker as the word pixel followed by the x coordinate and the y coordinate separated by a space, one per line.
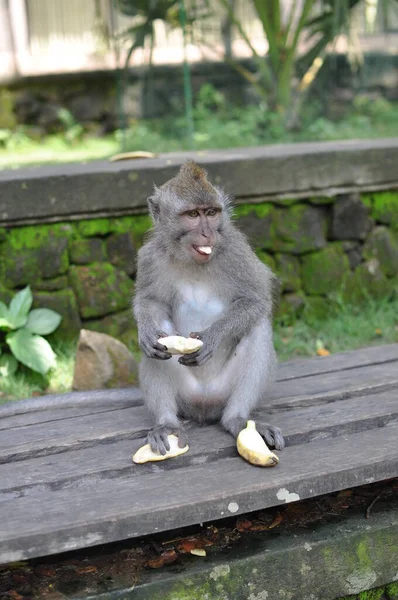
pixel 252 447
pixel 177 344
pixel 145 454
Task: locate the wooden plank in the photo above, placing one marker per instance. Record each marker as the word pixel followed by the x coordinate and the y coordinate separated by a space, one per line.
pixel 120 509
pixel 97 401
pixel 303 367
pixel 21 442
pixel 86 466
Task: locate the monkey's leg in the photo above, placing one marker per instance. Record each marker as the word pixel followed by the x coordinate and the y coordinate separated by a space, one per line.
pixel 160 393
pixel 251 370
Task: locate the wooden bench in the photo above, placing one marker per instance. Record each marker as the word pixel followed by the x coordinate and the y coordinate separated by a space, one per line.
pixel 67 480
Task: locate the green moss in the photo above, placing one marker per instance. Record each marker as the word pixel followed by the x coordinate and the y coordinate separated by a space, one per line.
pixel 385 208
pixel 139 226
pixel 288 269
pixel 325 271
pixel 367 200
pixel 375 594
pixel 94 227
pixel 298 229
pixel 37 236
pixel 7 115
pixel 392 591
pixel 261 210
pixel 317 309
pixel 266 258
pixel 86 251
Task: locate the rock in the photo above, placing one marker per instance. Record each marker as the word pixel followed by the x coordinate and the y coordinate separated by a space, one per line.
pixel 121 252
pixel 49 118
pixel 103 362
pixel 51 285
pixel 64 302
pixel 350 220
pixel 299 229
pixel 353 251
pixel 120 325
pixel 33 253
pixel 288 269
pixel 367 281
pixel 89 106
pixel 255 220
pixel 290 307
pixel 323 272
pixel 382 245
pixel 27 107
pixel 84 252
pixel 384 207
pixel 100 289
pixel 267 259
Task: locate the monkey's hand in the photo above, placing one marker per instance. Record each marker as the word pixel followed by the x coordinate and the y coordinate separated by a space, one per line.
pixel 198 358
pixel 157 438
pixel 148 341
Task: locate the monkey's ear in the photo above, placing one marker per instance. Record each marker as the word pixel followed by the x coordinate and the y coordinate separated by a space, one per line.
pixel 153 205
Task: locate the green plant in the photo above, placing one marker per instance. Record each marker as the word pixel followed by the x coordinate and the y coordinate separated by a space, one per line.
pixel 21 331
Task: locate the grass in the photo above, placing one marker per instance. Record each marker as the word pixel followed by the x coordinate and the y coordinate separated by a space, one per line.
pixel 351 328
pixel 218 124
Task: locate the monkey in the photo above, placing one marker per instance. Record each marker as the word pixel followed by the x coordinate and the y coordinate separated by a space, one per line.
pixel 198 276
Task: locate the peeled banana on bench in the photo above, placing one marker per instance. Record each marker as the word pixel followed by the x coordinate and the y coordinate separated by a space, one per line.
pixel 252 447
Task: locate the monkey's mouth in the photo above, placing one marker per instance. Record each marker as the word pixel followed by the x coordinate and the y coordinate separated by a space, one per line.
pixel 203 250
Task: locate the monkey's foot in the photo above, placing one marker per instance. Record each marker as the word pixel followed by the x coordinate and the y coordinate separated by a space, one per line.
pixel 157 438
pixel 272 435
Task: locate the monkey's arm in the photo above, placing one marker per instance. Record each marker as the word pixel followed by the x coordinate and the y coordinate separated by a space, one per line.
pixel 149 311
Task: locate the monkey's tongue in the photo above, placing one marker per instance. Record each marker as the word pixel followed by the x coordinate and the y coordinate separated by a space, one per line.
pixel 203 249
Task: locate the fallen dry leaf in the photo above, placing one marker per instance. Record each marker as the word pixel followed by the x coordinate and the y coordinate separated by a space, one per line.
pixel 277 521
pixel 378 331
pixel 83 570
pixel 244 525
pixel 322 352
pixel 166 558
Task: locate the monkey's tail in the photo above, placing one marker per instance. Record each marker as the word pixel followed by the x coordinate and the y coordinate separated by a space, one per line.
pixel 120 398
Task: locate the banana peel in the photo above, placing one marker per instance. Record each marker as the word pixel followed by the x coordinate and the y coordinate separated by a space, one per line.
pixel 146 454
pixel 252 447
pixel 177 344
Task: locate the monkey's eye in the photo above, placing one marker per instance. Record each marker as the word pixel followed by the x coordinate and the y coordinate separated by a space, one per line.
pixel 193 214
pixel 212 212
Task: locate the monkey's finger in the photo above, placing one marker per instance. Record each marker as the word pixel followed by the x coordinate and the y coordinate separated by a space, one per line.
pixel 195 335
pixel 182 438
pixel 160 354
pixel 164 440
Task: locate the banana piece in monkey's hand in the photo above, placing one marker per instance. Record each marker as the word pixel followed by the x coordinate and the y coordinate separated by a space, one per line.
pixel 176 344
pixel 146 454
pixel 252 447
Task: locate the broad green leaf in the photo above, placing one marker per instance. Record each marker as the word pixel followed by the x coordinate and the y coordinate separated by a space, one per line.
pixel 19 308
pixel 43 321
pixel 3 310
pixel 4 324
pixel 8 365
pixel 31 350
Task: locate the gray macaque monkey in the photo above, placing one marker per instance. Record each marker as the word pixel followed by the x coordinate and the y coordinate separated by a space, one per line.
pixel 197 276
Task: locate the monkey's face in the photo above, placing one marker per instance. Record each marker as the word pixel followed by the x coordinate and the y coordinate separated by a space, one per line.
pixel 200 230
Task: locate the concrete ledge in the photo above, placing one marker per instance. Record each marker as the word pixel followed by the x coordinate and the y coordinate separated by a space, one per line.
pixel 326 563
pixel 77 191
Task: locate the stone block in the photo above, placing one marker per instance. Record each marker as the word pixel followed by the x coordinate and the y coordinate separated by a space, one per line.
pixel 299 229
pixel 255 220
pixel 267 259
pixel 103 362
pixel 50 285
pixel 34 253
pixel 323 272
pixel 290 307
pixel 367 281
pixel 119 325
pixel 100 289
pixel 288 269
pixel 350 219
pixel 86 251
pixel 317 309
pixel 353 251
pixel 384 207
pixel 121 252
pixel 64 302
pixel 382 245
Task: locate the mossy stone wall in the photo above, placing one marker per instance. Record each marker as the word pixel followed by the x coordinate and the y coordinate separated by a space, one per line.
pixel 344 247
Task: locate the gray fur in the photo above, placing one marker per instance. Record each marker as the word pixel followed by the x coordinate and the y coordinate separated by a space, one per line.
pixel 227 302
